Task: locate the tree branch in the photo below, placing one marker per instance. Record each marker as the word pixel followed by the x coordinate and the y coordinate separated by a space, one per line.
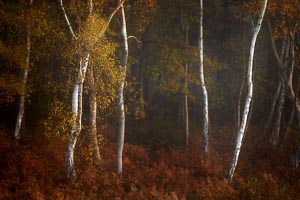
pixel 110 18
pixel 68 21
pixel 135 38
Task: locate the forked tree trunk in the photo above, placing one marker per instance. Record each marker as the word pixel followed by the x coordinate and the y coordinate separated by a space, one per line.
pixel 202 83
pixel 283 61
pixel 78 90
pixel 249 94
pixel 121 110
pixel 77 115
pixel 21 108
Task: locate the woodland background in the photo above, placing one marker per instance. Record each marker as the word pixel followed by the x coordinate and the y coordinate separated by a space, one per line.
pixel 157 163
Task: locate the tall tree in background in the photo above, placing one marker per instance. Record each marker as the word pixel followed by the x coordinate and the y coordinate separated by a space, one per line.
pixel 21 108
pixel 285 15
pixel 249 94
pixel 186 105
pixel 202 83
pixel 121 133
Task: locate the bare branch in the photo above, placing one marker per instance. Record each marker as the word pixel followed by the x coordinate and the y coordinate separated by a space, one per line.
pixel 273 45
pixel 67 20
pixel 110 18
pixel 135 38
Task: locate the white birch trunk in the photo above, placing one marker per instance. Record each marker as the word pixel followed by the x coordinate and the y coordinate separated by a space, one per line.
pixel 242 87
pixel 249 94
pixel 17 134
pixel 202 82
pixel 121 110
pixel 77 115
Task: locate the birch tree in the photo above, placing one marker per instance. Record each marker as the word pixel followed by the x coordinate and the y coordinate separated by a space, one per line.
pixel 202 83
pixel 21 105
pixel 249 93
pixel 85 39
pixel 283 28
pixel 82 64
pixel 121 133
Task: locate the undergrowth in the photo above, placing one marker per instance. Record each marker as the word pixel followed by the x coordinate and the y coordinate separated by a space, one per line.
pixel 33 169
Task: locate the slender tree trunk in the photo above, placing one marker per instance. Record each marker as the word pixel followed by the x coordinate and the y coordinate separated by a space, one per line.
pixel 286 132
pixel 78 90
pixel 121 110
pixel 77 115
pixel 276 131
pixel 297 102
pixel 202 82
pixel 242 87
pixel 249 94
pixel 294 95
pixel 186 106
pixel 252 101
pixel 21 108
pixel 93 115
pixel 239 102
pixel 271 113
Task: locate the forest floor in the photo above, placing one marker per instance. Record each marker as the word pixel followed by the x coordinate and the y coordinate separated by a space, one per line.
pixel 34 169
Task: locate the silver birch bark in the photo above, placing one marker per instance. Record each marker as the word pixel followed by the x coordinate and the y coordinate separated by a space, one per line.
pixel 202 83
pixel 249 94
pixel 121 110
pixel 242 87
pixel 17 134
pixel 186 105
pixel 78 90
pixel 77 115
pixel 239 101
pixel 76 101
